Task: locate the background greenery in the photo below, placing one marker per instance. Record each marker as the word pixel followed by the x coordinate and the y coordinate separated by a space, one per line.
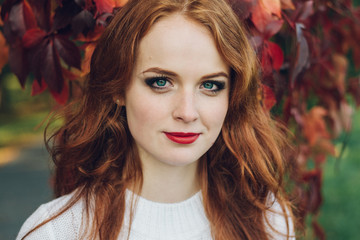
pixel 21 115
pixel 340 212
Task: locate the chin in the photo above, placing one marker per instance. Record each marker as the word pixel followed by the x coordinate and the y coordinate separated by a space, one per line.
pixel 180 160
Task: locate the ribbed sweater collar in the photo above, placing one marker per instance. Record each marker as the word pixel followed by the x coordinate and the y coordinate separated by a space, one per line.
pixel 182 220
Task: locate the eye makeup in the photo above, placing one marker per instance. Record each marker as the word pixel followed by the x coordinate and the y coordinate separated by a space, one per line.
pixel 213 85
pixel 158 82
pixel 162 83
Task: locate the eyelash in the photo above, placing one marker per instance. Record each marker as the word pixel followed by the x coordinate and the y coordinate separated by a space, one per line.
pixel 151 81
pixel 219 85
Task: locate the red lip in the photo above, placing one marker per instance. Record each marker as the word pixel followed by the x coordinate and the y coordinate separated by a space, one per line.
pixel 181 137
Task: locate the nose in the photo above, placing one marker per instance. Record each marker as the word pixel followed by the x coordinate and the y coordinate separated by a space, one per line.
pixel 185 108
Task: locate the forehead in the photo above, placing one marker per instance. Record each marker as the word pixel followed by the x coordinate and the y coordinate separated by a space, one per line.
pixel 176 42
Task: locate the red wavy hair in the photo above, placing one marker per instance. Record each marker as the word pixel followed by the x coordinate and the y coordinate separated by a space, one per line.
pixel 94 152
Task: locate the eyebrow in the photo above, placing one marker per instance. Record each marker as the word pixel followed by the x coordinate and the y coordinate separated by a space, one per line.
pixel 172 74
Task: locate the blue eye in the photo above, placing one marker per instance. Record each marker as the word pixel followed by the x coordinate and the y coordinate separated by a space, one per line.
pixel 208 85
pixel 213 86
pixel 160 83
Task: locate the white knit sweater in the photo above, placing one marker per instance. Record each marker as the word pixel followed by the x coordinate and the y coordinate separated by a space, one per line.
pixel 152 221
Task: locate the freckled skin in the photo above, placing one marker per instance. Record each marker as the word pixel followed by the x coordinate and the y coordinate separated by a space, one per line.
pixel 187 49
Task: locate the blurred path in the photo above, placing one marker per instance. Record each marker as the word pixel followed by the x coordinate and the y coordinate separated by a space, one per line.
pixel 24 185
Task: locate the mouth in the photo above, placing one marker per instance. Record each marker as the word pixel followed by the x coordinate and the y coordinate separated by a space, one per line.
pixel 181 137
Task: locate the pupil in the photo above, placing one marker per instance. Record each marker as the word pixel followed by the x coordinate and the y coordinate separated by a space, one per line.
pixel 161 83
pixel 208 85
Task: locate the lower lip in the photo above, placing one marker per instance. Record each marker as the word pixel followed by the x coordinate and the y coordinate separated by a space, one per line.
pixel 182 138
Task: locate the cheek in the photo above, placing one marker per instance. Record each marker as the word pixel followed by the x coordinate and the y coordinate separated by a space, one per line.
pixel 214 114
pixel 141 113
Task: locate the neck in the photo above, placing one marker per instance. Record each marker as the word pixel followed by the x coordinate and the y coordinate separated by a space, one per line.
pixel 168 184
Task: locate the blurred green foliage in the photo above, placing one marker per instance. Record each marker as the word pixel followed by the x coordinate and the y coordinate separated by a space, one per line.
pixel 340 211
pixel 21 114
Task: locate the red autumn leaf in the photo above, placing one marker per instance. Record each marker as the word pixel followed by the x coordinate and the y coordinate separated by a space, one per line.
pixel 6 7
pixel 287 4
pixel 272 58
pixel 302 53
pixel 300 14
pixel 272 28
pixel 4 52
pixel 16 20
pixel 64 15
pixel 18 61
pixel 266 16
pixel 20 18
pixel 91 36
pixel 314 180
pixel 29 17
pixel 306 11
pixel 274 53
pixel 33 37
pixel 89 49
pixel 36 56
pixel 324 147
pixel 314 127
pixel 266 64
pixel 268 97
pixel 338 74
pixel 104 6
pixel 83 22
pixel 51 69
pixel 68 51
pixel 38 88
pixel 70 75
pixel 311 175
pixel 63 96
pixel 42 11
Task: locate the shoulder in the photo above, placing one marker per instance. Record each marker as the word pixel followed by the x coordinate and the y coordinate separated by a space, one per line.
pixel 277 219
pixel 65 226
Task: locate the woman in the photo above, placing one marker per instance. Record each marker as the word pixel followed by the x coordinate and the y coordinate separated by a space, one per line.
pixel 170 140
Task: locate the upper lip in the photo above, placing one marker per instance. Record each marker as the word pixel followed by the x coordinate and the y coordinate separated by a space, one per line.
pixel 183 134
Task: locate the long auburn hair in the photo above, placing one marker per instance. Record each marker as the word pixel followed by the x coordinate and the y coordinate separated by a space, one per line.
pixel 95 154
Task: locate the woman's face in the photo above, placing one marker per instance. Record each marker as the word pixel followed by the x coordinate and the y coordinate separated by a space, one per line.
pixel 178 96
